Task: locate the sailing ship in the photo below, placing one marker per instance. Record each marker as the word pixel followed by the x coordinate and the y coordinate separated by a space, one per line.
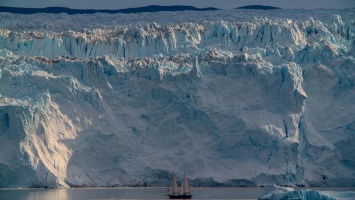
pixel 184 190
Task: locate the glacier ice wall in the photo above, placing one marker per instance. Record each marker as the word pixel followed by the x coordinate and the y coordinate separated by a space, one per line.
pixel 232 103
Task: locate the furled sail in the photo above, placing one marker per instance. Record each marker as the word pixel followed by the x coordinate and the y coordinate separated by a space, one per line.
pixel 185 188
pixel 175 186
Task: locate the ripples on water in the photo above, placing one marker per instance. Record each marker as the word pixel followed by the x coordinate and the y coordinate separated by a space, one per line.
pixel 134 193
pixel 125 193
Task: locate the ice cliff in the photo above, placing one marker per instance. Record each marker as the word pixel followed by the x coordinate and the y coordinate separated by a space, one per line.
pixel 231 102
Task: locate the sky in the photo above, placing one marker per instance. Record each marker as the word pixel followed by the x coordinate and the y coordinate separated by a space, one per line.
pixel 222 4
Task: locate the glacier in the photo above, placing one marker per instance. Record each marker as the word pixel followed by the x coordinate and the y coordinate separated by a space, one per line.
pixel 234 98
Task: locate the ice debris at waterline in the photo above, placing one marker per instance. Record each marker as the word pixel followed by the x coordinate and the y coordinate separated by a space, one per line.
pixel 277 193
pixel 233 103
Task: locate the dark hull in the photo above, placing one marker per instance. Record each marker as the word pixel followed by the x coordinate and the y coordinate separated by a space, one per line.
pixel 180 196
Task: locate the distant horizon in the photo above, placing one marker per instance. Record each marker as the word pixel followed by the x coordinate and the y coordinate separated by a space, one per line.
pixel 221 4
pixel 112 9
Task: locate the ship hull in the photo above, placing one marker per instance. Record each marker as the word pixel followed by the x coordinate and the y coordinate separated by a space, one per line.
pixel 180 196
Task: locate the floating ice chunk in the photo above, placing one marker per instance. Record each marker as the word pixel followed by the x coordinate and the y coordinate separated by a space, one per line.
pixel 278 193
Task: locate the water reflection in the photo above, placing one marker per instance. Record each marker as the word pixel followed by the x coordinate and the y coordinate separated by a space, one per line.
pixel 78 193
pixel 55 194
pixel 34 194
pixel 125 193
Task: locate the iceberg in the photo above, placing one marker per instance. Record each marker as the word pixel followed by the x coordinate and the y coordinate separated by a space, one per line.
pixel 116 100
pixel 276 192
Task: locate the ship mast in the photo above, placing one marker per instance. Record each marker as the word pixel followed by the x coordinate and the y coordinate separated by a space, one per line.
pixel 182 187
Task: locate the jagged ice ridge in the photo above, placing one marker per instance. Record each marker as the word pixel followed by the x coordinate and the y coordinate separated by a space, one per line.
pixel 233 103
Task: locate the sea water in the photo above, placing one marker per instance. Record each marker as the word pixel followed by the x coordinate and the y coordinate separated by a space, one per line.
pixel 135 193
pixel 126 193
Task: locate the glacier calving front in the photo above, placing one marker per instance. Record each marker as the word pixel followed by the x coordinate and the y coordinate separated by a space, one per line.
pixel 266 101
